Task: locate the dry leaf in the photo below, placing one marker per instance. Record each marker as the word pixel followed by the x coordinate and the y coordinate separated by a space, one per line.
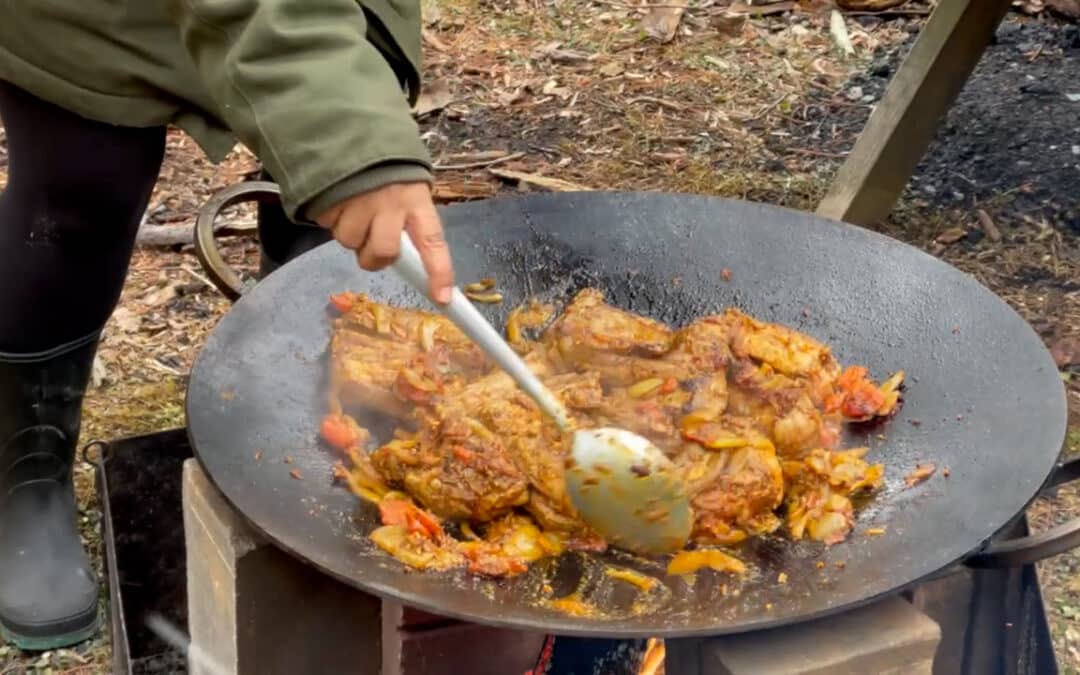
pixel 126 320
pixel 162 295
pixel 552 88
pixel 432 40
pixel 433 97
pixel 1066 351
pixel 729 24
pixel 555 52
pixel 661 23
pixel 988 226
pixel 838 30
pixel 613 69
pixel 99 374
pixel 951 235
pixel 553 184
pixel 510 97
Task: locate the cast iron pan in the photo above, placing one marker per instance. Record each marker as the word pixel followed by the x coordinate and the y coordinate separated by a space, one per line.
pixel 983 399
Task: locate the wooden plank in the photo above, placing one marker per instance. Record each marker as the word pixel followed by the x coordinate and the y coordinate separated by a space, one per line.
pixel 255 609
pixel 872 178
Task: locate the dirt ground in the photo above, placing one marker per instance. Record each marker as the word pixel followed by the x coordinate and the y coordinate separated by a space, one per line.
pixel 590 94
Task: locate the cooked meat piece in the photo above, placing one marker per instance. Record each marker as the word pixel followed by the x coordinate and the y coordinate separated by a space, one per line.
pixel 785 350
pixel 456 468
pixel 803 428
pixel 592 335
pixel 703 346
pixel 538 447
pixel 387 359
pixel 649 408
pixel 555 514
pixel 734 492
pixel 481 446
pixel 363 372
pixel 412 326
pixel 779 351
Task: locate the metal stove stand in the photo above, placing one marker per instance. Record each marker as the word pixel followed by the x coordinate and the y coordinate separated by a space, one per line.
pixel 250 608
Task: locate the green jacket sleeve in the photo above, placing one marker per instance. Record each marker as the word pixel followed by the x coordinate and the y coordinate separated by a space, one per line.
pixel 300 84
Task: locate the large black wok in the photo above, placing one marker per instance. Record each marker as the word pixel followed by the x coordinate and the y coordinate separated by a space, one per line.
pixel 983 399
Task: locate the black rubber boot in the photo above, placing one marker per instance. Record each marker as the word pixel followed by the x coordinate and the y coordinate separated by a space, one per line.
pixel 48 591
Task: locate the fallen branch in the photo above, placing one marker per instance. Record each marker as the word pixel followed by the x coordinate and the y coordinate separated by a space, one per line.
pixel 552 184
pixel 671 105
pixel 447 193
pixel 899 11
pixel 479 164
pixel 869 5
pixel 165 236
pixel 763 10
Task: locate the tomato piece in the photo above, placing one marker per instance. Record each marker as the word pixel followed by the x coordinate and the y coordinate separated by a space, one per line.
pixel 851 377
pixel 415 519
pixel 464 454
pixel 426 523
pixel 863 402
pixel 394 511
pixel 833 402
pixel 338 432
pixel 343 302
pixel 669 386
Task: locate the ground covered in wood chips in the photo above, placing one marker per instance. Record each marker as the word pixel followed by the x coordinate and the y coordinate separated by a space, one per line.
pixel 528 95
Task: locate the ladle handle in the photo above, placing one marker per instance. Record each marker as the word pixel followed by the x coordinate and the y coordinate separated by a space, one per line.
pixel 471 322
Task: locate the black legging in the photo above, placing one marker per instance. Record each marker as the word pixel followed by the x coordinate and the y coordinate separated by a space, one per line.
pixel 76 192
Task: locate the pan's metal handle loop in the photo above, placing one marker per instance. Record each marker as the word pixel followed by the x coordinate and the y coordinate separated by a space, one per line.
pixel 104 451
pixel 206 248
pixel 1035 547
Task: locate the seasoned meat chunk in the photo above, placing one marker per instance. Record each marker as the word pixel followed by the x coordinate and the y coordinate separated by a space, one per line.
pixel 481 447
pixel 592 335
pixel 387 360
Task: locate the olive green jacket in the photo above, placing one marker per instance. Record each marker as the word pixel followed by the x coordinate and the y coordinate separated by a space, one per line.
pixel 319 90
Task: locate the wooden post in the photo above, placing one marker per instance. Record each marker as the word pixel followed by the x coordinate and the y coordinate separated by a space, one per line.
pixel 902 126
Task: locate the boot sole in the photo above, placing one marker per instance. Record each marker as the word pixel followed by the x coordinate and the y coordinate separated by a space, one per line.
pixel 32 643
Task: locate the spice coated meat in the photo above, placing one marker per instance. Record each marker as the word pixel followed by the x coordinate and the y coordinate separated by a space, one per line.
pixel 750 413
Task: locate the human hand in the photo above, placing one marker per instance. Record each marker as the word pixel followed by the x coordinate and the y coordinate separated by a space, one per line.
pixel 370 224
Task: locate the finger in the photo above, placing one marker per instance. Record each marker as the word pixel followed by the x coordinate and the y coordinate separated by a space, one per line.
pixel 384 241
pixel 352 227
pixel 425 229
pixel 328 219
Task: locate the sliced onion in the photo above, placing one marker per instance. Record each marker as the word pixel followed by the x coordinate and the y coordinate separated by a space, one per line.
pixel 417 382
pixel 382 322
pixel 427 334
pixel 645 583
pixel 688 562
pixel 513 326
pixel 645 387
pixel 830 528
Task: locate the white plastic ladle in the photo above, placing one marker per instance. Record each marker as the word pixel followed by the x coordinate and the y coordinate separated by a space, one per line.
pixel 623 486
